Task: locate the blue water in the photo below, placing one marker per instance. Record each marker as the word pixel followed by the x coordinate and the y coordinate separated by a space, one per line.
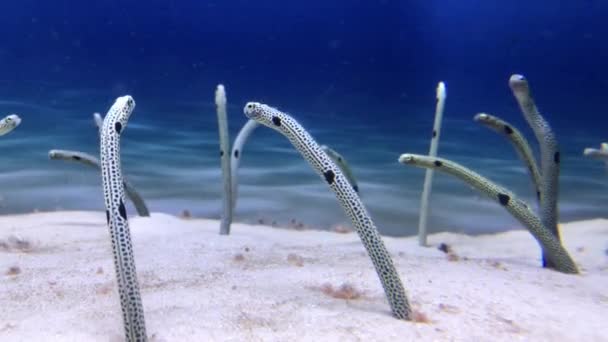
pixel 360 75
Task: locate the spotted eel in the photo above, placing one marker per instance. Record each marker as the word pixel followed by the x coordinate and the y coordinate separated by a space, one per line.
pixel 441 95
pixel 235 156
pixel 341 162
pixel 87 159
pixel 348 198
pixel 220 102
pixel 549 155
pixel 116 214
pixel 519 142
pixel 237 150
pixel 9 123
pixel 519 209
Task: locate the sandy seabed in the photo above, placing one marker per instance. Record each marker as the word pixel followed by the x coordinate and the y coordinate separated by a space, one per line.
pixel 57 283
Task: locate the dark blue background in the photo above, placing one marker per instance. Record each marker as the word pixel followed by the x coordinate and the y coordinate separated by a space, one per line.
pixel 373 59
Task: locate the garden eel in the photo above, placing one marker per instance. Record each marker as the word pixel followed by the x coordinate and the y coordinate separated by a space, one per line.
pixel 220 102
pixel 87 159
pixel 519 142
pixel 98 120
pixel 341 162
pixel 601 154
pixel 9 123
pixel 441 94
pixel 235 156
pixel 348 198
pixel 237 151
pixel 116 214
pixel 519 209
pixel 549 155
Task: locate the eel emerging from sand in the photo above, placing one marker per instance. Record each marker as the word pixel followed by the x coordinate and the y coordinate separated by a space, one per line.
pixel 9 123
pixel 550 245
pixel 549 155
pixel 116 214
pixel 220 102
pixel 519 142
pixel 348 198
pixel 441 95
pixel 87 159
pixel 235 156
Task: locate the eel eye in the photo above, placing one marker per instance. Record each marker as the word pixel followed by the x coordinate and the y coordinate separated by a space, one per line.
pixel 249 106
pixel 9 119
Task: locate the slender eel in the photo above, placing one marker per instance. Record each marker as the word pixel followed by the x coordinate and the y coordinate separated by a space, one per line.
pixel 116 214
pixel 601 154
pixel 519 142
pixel 341 162
pixel 428 177
pixel 236 154
pixel 220 102
pixel 9 123
pixel 348 198
pixel 98 120
pixel 89 160
pixel 549 155
pixel 519 209
pixel 594 153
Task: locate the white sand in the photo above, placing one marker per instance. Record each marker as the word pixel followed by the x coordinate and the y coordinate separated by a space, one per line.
pixel 199 286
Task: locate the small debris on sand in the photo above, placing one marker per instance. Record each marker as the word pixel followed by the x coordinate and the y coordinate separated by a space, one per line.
pixel 345 291
pixel 13 271
pixel 185 214
pixel 295 260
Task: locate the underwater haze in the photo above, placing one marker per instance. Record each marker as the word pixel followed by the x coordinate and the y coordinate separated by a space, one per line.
pixel 359 75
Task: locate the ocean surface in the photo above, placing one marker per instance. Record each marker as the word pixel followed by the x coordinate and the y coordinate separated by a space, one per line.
pixel 359 75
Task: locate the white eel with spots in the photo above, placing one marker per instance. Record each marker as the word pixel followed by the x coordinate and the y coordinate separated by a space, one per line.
pixel 116 214
pixel 441 94
pixel 549 155
pixel 89 160
pixel 348 198
pixel 236 154
pixel 9 123
pixel 519 209
pixel 220 102
pixel 519 142
pixel 341 162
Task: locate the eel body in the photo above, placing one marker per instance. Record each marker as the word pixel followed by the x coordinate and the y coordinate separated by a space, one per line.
pixel 116 214
pixel 347 197
pixel 341 162
pixel 89 160
pixel 220 102
pixel 519 142
pixel 428 177
pixel 236 155
pixel 519 209
pixel 549 155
